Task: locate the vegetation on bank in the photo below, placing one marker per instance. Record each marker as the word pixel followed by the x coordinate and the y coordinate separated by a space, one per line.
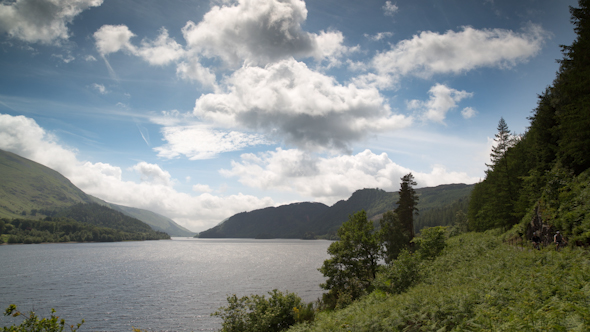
pixel 478 283
pixel 79 223
pixel 66 230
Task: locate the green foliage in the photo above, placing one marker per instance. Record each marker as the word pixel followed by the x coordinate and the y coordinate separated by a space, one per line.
pixel 478 284
pixel 32 323
pixel 460 225
pixel 353 263
pixel 431 242
pixel 393 235
pixel 571 87
pixel 399 275
pixel 445 215
pixel 257 313
pixel 564 204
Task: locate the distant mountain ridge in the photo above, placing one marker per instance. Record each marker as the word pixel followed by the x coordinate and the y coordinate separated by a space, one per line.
pixel 31 190
pixel 307 220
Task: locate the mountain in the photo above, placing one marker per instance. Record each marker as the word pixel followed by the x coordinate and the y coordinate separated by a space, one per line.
pixel 28 186
pixel 288 221
pixel 157 221
pixel 33 191
pixel 307 220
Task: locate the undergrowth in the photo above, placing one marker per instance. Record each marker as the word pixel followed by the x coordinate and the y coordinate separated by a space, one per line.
pixel 478 284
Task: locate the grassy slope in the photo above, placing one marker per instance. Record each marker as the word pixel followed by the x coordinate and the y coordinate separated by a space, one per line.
pixel 480 284
pixel 27 185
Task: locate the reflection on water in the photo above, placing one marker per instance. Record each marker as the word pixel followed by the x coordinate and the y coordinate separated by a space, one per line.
pixel 156 285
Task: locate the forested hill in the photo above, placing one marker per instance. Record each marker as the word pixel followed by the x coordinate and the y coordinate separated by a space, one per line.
pixel 29 190
pixel 311 220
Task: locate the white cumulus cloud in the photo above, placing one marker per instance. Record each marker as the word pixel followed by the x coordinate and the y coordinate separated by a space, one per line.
pixel 442 99
pixel 37 21
pixel 115 38
pixel 455 52
pixel 250 32
pixel 305 108
pixel 468 112
pixel 258 32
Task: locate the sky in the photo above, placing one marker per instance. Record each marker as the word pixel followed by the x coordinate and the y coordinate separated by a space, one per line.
pixel 199 110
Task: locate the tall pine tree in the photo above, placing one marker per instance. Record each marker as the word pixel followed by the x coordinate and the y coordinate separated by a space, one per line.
pixel 407 205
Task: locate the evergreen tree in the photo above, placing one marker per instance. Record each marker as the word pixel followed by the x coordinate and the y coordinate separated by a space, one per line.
pixel 407 205
pixel 504 141
pixel 571 86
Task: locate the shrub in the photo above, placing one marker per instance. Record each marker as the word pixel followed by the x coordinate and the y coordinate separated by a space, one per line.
pixel 257 313
pixel 33 323
pixel 400 275
pixel 431 242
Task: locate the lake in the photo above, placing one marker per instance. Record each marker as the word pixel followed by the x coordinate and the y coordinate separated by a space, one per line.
pixel 156 285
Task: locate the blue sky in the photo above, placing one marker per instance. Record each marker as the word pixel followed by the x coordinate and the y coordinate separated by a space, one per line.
pixel 199 110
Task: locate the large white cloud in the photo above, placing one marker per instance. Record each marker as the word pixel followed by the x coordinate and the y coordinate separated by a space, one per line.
pixel 41 21
pixel 306 108
pixel 155 191
pixel 251 32
pixel 258 32
pixel 455 52
pixel 333 178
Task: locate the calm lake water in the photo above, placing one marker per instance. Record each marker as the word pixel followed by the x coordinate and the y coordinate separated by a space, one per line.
pixel 155 285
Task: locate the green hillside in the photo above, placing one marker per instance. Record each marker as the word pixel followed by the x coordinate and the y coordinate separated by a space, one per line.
pixel 308 220
pixel 27 186
pixel 478 283
pixel 32 191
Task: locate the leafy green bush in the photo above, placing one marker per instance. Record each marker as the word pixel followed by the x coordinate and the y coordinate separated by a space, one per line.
pixel 32 323
pixel 431 242
pixel 399 275
pixel 257 313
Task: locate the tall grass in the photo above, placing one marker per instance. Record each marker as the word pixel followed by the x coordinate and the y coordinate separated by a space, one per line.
pixel 479 284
